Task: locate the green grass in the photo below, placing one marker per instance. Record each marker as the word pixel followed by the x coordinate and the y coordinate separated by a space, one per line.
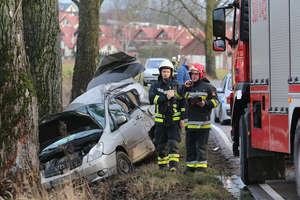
pixel 67 70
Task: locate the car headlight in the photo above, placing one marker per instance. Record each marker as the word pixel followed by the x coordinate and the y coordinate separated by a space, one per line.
pixel 96 152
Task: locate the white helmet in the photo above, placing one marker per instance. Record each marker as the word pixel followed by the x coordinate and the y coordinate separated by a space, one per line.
pixel 166 64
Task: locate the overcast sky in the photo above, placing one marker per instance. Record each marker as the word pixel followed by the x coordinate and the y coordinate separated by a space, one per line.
pixel 104 5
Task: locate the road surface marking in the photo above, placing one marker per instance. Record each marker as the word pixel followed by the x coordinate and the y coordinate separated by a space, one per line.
pixel 271 192
pixel 223 136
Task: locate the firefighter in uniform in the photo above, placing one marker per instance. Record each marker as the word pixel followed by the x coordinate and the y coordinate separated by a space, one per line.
pixel 202 98
pixel 167 96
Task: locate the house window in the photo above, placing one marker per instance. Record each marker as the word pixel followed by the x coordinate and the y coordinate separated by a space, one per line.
pixel 141 34
pixel 162 34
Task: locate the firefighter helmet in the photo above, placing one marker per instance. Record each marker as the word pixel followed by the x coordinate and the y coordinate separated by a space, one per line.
pixel 166 64
pixel 201 70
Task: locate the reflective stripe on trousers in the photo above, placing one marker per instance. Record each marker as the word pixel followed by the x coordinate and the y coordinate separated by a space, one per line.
pixel 163 161
pixel 196 164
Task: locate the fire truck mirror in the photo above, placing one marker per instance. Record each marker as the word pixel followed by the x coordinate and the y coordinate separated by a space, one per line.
pixel 219 45
pixel 219 23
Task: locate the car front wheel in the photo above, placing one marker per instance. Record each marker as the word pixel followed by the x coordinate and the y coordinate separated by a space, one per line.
pixel 124 165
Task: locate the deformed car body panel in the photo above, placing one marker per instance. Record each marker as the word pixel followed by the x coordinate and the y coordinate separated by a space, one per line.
pixel 130 136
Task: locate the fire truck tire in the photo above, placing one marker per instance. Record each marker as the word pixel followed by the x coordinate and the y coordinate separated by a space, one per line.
pixel 243 153
pixel 297 156
pixel 249 173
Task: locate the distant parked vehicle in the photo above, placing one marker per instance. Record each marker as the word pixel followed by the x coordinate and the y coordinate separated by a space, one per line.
pixel 222 112
pixel 151 72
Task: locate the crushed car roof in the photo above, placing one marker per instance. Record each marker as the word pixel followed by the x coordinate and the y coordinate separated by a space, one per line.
pixel 115 68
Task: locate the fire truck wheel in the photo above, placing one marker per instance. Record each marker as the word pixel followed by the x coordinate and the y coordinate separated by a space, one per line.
pixel 243 151
pixel 297 156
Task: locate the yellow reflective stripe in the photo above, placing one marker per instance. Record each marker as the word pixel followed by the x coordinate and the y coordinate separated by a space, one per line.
pixel 163 162
pixel 159 120
pixel 174 110
pixel 177 95
pixel 199 126
pixel 190 165
pixel 155 99
pixel 174 159
pixel 176 118
pixel 203 97
pixel 176 114
pixel 187 95
pixel 158 115
pixel 214 102
pixel 182 109
pixel 185 123
pixel 174 155
pixel 205 126
pixel 201 165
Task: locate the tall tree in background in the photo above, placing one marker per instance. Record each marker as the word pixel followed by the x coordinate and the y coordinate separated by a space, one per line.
pixel 18 103
pixel 87 53
pixel 41 35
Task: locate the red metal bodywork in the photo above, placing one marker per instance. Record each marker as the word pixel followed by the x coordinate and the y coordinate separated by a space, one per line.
pixel 260 136
pixel 274 133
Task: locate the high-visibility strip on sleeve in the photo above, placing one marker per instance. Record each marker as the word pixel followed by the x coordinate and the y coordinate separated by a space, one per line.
pixel 214 102
pixel 159 120
pixel 182 109
pixel 155 99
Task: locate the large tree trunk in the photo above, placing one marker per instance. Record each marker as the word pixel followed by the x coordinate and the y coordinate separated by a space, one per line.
pixel 87 54
pixel 210 54
pixel 41 35
pixel 18 104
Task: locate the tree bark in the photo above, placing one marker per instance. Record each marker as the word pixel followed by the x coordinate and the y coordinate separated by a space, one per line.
pixel 41 35
pixel 210 54
pixel 87 55
pixel 18 103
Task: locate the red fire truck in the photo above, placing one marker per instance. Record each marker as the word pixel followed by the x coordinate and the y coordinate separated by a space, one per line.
pixel 266 79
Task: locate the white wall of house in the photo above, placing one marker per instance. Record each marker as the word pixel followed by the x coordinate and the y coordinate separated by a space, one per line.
pixel 108 49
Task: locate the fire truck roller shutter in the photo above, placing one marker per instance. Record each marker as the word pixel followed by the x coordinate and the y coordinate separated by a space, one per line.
pixel 259 60
pixel 295 40
pixel 279 53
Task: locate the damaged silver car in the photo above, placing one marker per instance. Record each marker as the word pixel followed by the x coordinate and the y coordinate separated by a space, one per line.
pixel 103 131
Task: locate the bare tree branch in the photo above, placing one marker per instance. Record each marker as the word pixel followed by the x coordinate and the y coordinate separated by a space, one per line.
pixel 181 22
pixel 202 23
pixel 76 2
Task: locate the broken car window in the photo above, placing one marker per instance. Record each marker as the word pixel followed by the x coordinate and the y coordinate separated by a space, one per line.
pixel 97 111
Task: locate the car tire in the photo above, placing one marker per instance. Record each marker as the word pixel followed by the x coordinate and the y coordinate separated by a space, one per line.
pixel 297 157
pixel 124 165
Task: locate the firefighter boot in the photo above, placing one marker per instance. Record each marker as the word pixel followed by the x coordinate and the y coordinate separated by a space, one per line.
pixel 163 162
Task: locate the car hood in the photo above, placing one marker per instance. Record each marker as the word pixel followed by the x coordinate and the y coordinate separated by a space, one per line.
pixel 115 68
pixel 60 125
pixel 151 71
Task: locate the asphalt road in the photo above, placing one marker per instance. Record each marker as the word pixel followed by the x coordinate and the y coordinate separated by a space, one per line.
pixel 271 190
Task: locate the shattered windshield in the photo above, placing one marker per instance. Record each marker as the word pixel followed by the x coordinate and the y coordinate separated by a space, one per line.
pixel 97 111
pixel 73 137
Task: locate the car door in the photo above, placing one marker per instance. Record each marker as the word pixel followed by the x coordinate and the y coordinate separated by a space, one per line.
pixel 130 130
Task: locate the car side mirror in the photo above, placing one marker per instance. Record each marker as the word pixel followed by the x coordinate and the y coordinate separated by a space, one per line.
pixel 219 25
pixel 220 90
pixel 121 120
pixel 219 45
